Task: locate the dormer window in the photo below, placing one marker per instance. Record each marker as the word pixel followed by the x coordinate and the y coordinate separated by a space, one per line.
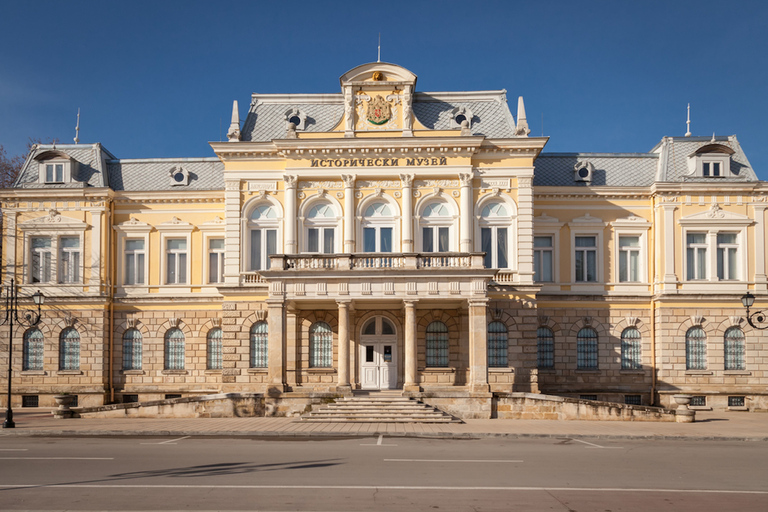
pixel 712 161
pixel 54 173
pixel 296 117
pixel 55 167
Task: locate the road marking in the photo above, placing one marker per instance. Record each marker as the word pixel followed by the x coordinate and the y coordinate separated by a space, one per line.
pixel 379 442
pixel 380 488
pixel 450 460
pixel 57 458
pixel 170 441
pixel 592 445
pixel 14 449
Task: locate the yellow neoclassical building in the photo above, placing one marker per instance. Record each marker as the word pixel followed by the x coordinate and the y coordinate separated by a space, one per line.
pixel 383 238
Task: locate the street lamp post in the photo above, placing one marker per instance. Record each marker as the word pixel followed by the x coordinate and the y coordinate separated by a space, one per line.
pixel 756 319
pixel 29 318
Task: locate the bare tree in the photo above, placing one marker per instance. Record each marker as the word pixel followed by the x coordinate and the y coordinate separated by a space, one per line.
pixel 9 168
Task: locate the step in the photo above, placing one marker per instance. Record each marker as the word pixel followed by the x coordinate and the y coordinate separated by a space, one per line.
pixel 378 409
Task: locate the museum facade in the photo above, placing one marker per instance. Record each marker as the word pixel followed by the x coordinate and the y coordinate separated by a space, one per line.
pixel 383 238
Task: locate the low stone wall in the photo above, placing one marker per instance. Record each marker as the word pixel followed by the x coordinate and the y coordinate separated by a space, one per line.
pixel 461 404
pixel 530 406
pixel 226 405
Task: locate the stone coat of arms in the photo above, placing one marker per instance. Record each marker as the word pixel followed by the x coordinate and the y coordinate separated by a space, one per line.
pixel 379 111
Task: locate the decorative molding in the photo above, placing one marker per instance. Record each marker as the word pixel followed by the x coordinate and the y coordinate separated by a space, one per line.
pixel 587 320
pixel 543 319
pixel 132 323
pixel 262 186
pixel 379 184
pixel 174 321
pixel 406 180
pixel 698 320
pixel 216 321
pixel 321 184
pixel 69 320
pixel 489 183
pixel 632 321
pixel 735 321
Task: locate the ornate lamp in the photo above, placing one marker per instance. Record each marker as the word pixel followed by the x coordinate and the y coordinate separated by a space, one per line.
pixel 756 319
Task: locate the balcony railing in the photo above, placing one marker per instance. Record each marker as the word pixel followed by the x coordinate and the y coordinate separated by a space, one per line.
pixel 372 261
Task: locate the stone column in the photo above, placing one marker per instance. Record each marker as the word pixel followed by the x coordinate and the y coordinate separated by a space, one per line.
pixel 290 244
pixel 407 216
pixel 291 349
pixel 276 351
pixel 524 231
pixel 343 384
pixel 478 346
pixel 349 213
pixel 411 355
pixel 761 280
pixel 465 222
pixel 670 279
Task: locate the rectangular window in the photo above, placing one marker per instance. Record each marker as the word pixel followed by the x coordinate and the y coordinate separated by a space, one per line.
pixel 369 240
pixel 710 169
pixel 699 401
pixel 216 260
pixel 727 256
pixel 41 259
pixel 30 401
pixel 587 397
pixel 696 256
pixel 176 261
pixel 542 259
pixel 629 259
pixel 633 400
pixel 130 399
pixel 69 266
pixel 385 239
pixel 54 173
pixel 586 258
pixel 435 239
pixel 263 245
pixel 134 262
pixel 736 401
pixel 495 251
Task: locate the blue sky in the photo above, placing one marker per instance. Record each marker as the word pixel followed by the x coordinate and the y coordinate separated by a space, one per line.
pixel 157 79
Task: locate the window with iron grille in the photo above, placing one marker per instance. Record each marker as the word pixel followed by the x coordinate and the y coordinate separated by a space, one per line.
pixel 30 401
pixel 130 399
pixel 69 349
pixel 633 400
pixel 586 349
pixel 587 397
pixel 174 349
pixel 74 401
pixel 34 348
pixel 698 401
pixel 259 344
pixel 695 349
pixel 734 349
pixel 545 347
pixel 214 352
pixel 132 348
pixel 497 345
pixel 171 396
pixel 320 345
pixel 736 401
pixel 630 349
pixel 437 345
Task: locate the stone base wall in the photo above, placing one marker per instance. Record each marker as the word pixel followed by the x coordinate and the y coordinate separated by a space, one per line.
pixel 529 406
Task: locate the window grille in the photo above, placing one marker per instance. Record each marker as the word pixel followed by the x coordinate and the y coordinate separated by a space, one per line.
pixel 259 345
pixel 695 349
pixel 34 350
pixel 497 345
pixel 437 345
pixel 587 397
pixel 174 349
pixel 74 401
pixel 320 345
pixel 734 349
pixel 545 347
pixel 736 401
pixel 586 349
pixel 699 401
pixel 130 399
pixel 69 349
pixel 214 342
pixel 633 400
pixel 630 349
pixel 30 401
pixel 132 348
pixel 172 396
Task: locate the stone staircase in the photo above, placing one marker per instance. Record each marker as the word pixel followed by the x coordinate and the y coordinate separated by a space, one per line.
pixel 378 407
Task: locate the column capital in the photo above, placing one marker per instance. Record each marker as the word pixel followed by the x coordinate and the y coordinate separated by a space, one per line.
pixel 410 303
pixel 290 180
pixel 349 180
pixel 345 303
pixel 407 179
pixel 478 302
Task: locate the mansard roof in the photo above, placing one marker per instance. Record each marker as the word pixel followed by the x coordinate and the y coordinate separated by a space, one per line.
pixel 610 169
pixel 89 169
pixel 674 155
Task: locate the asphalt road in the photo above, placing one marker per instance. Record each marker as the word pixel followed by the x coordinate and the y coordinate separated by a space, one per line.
pixel 381 473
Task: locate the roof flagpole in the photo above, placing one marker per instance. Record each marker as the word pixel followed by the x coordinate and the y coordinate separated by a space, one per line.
pixel 379 57
pixel 77 128
pixel 688 122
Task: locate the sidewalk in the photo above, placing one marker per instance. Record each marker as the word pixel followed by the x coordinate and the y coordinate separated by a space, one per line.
pixel 735 426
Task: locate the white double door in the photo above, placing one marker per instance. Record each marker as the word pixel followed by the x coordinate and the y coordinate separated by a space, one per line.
pixel 378 361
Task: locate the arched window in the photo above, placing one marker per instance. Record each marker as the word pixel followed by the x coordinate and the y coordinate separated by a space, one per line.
pixel 437 345
pixel 320 225
pixel 214 349
pixel 259 345
pixel 174 349
pixel 630 349
pixel 734 349
pixel 385 327
pixel 34 350
pixel 132 349
pixel 695 349
pixel 69 349
pixel 586 349
pixel 545 347
pixel 320 345
pixel 497 345
pixel 436 228
pixel 495 234
pixel 378 228
pixel 262 236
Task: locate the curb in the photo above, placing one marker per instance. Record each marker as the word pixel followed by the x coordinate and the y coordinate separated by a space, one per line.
pixel 347 435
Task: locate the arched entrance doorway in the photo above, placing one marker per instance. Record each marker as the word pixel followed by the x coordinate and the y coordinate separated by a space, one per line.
pixel 378 354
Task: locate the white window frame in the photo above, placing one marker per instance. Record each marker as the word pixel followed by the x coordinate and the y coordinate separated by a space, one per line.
pixel 494 223
pixel 133 229
pixel 321 224
pixel 213 229
pixel 50 267
pixel 450 221
pixel 176 229
pixel 726 258
pixel 631 226
pixel 588 226
pixel 539 251
pixel 140 268
pixel 377 223
pixel 708 159
pixel 66 170
pixel 585 251
pixel 220 254
pixel 264 225
pixel 544 225
pixel 73 274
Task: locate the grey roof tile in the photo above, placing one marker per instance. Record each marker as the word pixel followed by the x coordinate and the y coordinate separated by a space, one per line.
pixel 89 169
pixel 266 121
pixel 612 170
pixel 154 174
pixel 490 117
pixel 678 149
